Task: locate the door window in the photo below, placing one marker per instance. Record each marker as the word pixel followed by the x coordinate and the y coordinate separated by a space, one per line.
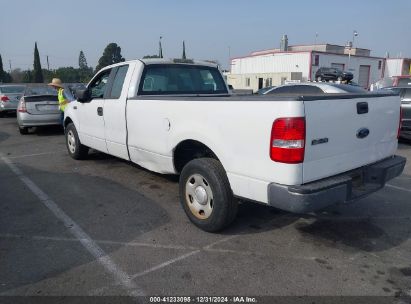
pixel 99 85
pixel 118 82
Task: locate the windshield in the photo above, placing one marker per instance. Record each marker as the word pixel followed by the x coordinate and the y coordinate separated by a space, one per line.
pixel 40 90
pixel 162 79
pixel 11 89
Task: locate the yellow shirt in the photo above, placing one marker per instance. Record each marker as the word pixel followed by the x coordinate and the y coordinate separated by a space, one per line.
pixel 62 100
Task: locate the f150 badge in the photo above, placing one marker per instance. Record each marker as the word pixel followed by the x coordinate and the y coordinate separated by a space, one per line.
pixel 319 141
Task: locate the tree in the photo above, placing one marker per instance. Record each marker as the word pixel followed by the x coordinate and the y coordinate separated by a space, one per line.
pixel 85 72
pixel 1 69
pixel 82 61
pixel 160 49
pixel 37 72
pixel 28 76
pixel 4 76
pixel 111 55
pixel 17 75
pixel 184 51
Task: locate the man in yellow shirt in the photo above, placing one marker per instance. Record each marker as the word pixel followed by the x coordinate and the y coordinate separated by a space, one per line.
pixel 63 101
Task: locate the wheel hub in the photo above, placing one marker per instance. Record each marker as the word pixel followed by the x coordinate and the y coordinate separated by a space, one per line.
pixel 201 195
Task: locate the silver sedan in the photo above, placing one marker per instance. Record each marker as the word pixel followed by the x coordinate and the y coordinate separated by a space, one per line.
pixel 39 107
pixel 315 88
pixel 10 95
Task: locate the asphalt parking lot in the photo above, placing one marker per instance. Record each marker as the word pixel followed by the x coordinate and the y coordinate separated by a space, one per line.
pixel 103 226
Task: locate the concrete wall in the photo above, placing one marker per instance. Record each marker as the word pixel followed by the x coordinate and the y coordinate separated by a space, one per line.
pixel 273 64
pixel 393 67
pixel 239 81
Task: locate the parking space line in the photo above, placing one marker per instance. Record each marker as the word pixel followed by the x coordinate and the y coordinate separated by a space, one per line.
pixel 36 154
pixel 398 188
pixel 182 257
pixel 122 278
pixel 104 242
pixel 165 264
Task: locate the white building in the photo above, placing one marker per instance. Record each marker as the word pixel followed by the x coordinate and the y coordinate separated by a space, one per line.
pixel 397 67
pixel 275 66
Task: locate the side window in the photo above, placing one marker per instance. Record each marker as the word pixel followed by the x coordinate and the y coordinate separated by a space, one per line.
pixel 159 79
pixel 118 82
pixel 99 85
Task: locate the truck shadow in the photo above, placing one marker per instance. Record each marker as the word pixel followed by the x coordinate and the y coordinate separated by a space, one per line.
pixel 404 144
pixel 368 225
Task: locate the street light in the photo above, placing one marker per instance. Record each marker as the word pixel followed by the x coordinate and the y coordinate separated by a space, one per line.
pixel 350 45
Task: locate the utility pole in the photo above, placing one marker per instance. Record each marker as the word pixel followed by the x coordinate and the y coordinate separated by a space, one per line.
pixel 10 65
pixel 48 66
pixel 229 58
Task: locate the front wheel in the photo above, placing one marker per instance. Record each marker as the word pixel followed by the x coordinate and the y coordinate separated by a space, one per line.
pixel 24 130
pixel 339 78
pixel 206 195
pixel 74 146
pixel 319 79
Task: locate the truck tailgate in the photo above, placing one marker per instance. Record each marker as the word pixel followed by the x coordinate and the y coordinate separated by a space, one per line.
pixel 336 134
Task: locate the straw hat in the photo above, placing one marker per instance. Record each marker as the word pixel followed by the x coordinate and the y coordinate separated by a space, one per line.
pixel 56 82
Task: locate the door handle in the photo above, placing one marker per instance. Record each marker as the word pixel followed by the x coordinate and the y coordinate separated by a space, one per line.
pixel 100 111
pixel 75 107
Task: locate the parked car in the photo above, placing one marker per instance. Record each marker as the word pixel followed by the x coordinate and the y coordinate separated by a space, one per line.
pixel 405 96
pixel 39 107
pixel 296 153
pixel 315 88
pixel 264 90
pixel 333 74
pixel 10 95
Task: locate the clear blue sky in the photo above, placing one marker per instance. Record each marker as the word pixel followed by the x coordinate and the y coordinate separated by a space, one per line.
pixel 63 28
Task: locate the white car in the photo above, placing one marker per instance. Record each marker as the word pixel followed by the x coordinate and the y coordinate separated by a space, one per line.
pixel 315 88
pixel 296 153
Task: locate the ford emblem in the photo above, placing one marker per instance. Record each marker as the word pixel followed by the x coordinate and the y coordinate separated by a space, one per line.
pixel 363 133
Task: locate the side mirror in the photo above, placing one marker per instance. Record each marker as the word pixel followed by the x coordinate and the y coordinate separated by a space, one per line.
pixel 83 95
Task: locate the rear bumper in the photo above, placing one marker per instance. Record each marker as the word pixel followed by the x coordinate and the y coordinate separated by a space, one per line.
pixel 8 106
pixel 341 188
pixel 29 120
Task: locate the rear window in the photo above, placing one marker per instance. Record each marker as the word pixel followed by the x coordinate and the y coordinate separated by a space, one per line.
pixel 163 79
pixel 40 90
pixel 12 89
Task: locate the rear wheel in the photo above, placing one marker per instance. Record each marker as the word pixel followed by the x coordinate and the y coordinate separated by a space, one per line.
pixel 206 195
pixel 74 146
pixel 24 130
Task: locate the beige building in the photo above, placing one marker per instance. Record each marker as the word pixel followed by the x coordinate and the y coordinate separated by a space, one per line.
pixel 274 67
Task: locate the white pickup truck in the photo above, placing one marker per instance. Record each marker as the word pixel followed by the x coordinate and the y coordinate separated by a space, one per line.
pixel 296 153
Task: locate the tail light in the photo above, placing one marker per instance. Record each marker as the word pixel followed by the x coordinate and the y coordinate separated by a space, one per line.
pixel 22 107
pixel 399 124
pixel 287 143
pixel 4 98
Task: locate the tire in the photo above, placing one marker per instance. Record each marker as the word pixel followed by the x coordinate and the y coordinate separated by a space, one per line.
pixel 24 130
pixel 319 79
pixel 340 78
pixel 74 147
pixel 206 195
